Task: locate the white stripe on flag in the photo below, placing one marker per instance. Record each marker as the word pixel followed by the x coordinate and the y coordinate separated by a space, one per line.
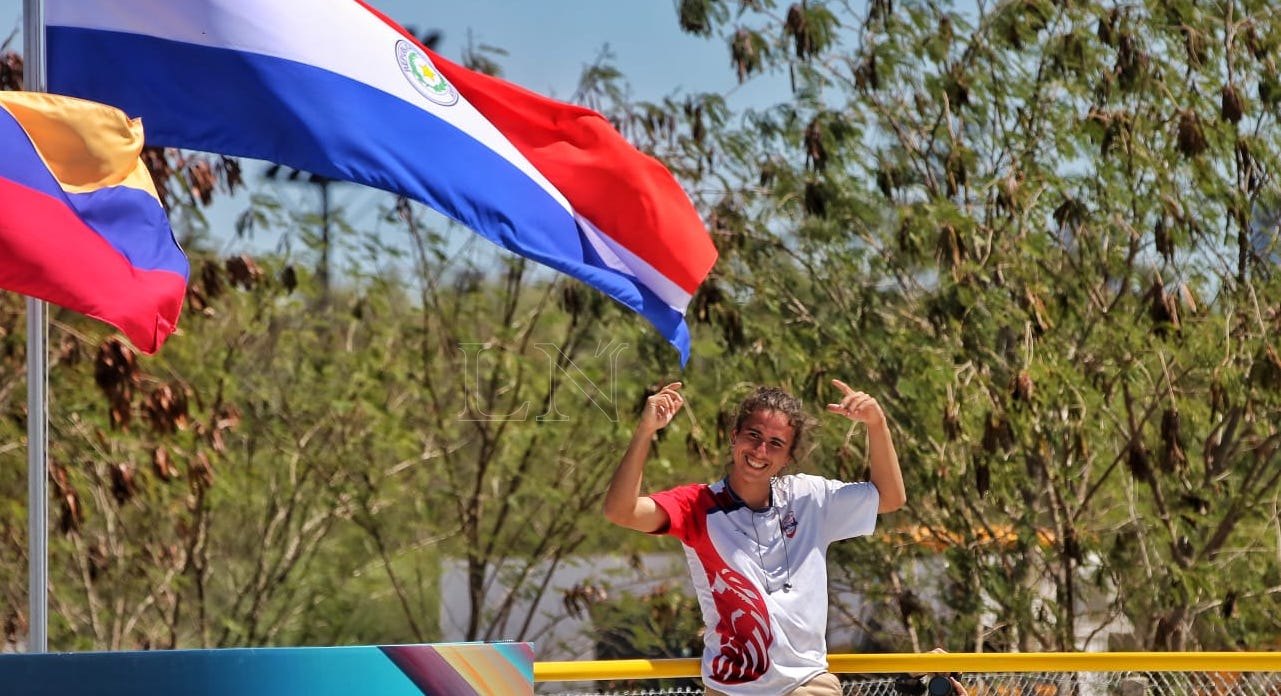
pixel 617 257
pixel 339 36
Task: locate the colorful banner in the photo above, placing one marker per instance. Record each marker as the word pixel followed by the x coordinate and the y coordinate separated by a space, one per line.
pixel 447 669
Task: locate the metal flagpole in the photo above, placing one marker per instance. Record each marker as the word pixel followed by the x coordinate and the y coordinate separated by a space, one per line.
pixel 34 80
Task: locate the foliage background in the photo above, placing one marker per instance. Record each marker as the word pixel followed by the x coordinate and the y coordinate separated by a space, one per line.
pixel 1043 233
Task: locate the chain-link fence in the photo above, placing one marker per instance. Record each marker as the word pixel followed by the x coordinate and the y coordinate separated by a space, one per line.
pixel 1033 684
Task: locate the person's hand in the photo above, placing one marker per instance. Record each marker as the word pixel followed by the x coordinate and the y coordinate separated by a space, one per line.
pixel 957 688
pixel 662 407
pixel 857 406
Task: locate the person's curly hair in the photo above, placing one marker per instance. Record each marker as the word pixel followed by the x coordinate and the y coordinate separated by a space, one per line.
pixel 780 401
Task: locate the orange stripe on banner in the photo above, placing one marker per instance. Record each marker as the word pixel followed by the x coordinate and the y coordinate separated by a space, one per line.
pixel 485 671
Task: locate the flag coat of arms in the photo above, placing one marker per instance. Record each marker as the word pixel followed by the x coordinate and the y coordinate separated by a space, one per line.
pixel 80 223
pixel 335 88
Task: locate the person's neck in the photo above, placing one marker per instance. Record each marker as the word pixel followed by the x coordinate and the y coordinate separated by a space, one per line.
pixel 757 497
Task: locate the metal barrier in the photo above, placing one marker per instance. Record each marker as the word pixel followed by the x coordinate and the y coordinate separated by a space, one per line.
pixel 901 663
pixel 1030 684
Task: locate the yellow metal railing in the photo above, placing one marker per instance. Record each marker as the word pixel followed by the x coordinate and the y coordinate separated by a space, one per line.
pixel 899 663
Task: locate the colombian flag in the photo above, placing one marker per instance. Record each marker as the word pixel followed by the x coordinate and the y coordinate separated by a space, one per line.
pixel 80 223
pixel 336 88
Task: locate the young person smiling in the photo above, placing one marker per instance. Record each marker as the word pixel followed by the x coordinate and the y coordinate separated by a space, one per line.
pixel 756 540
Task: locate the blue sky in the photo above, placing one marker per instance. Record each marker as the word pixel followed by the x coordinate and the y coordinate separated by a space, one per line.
pixel 549 41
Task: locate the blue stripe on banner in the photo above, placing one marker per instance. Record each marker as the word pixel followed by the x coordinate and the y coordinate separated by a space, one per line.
pixel 114 212
pixel 237 671
pixel 19 161
pixel 268 108
pixel 518 655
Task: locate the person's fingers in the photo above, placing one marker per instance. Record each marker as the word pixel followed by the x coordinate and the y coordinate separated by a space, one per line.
pixel 845 388
pixel 671 395
pixel 857 406
pixel 658 404
pixel 841 408
pixel 666 402
pixel 854 402
pixel 672 389
pixel 844 407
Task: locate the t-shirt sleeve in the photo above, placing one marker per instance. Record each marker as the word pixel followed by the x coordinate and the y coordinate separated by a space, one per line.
pixel 849 508
pixel 679 504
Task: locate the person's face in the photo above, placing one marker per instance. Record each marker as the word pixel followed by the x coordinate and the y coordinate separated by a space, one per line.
pixel 762 446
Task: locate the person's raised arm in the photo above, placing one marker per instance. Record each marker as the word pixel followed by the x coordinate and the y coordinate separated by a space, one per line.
pixel 624 505
pixel 883 460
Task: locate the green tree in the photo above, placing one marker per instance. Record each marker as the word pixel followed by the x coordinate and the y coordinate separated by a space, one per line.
pixel 1044 233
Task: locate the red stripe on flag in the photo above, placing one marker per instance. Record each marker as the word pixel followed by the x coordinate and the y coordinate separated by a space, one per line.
pixel 50 254
pixel 626 194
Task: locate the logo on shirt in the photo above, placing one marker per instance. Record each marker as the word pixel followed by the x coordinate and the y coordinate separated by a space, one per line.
pixel 743 630
pixel 788 525
pixel 423 76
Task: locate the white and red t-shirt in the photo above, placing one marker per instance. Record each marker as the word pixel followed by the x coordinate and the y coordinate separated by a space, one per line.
pixel 761 576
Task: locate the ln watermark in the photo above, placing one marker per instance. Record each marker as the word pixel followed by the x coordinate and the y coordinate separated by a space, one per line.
pixel 562 371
